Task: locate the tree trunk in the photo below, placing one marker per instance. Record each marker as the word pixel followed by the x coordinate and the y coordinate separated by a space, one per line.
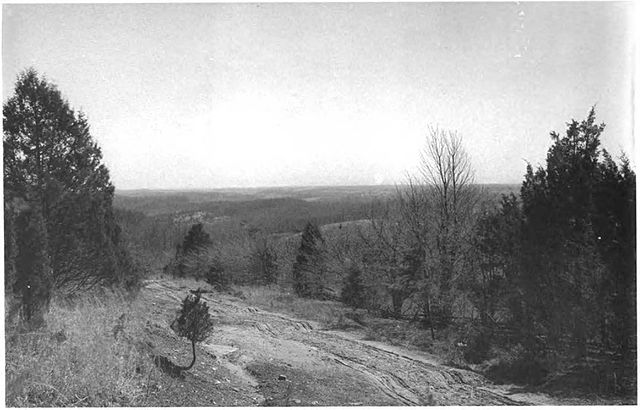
pixel 193 348
pixel 397 301
pixel 430 319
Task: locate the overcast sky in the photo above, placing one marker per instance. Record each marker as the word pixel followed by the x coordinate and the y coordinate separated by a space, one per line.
pixel 213 95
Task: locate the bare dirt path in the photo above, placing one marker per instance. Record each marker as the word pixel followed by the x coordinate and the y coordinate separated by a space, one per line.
pixel 261 357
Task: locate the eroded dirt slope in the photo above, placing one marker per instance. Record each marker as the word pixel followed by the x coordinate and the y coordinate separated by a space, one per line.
pixel 257 357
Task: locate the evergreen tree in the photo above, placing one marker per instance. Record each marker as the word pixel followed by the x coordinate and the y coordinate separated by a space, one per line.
pixel 309 267
pixel 52 162
pixel 574 210
pixel 196 239
pixel 353 290
pixel 190 257
pixel 193 322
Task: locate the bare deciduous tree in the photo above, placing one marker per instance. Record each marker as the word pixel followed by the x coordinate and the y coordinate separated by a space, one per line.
pixel 437 206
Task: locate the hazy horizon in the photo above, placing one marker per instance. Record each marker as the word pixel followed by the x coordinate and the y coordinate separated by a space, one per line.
pixel 231 188
pixel 221 96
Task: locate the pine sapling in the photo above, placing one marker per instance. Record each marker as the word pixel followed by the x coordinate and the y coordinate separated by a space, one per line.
pixel 193 322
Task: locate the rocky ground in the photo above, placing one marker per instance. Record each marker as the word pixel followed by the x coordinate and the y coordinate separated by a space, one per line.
pixel 255 357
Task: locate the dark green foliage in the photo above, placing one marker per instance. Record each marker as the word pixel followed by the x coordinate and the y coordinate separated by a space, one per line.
pixel 196 239
pixel 615 227
pixel 353 293
pixel 52 163
pixel 577 263
pixel 559 266
pixel 309 267
pixel 190 256
pixel 496 246
pixel 10 247
pixel 34 281
pixel 193 322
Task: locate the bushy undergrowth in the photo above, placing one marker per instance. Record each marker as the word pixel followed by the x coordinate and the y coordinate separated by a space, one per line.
pixel 84 355
pixel 516 367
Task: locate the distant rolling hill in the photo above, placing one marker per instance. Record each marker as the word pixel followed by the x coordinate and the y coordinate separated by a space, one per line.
pixel 154 202
pixel 273 210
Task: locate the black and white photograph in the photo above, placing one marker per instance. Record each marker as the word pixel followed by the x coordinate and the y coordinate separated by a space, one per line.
pixel 319 204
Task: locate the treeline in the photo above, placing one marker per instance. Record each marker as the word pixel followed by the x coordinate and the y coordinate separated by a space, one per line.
pixel 60 232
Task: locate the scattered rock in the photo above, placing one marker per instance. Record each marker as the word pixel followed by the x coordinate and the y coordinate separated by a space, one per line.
pixel 314 403
pixel 282 377
pixel 59 336
pixel 296 401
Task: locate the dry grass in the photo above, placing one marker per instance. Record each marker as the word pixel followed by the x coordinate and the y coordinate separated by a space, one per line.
pixel 274 299
pixel 336 315
pixel 83 356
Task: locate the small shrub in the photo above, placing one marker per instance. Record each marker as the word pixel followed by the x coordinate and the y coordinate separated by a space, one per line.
pixel 193 322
